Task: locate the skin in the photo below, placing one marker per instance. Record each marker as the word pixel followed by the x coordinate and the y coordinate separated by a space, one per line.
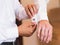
pixel 44 27
pixel 31 9
pixel 26 28
pixel 45 31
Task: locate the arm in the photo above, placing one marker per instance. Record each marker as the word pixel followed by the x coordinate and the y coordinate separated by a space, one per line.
pixel 44 27
pixel 42 11
pixel 12 31
pixel 41 14
pixel 19 11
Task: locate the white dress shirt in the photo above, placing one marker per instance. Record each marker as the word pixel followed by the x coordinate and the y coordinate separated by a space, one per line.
pixel 42 11
pixel 9 11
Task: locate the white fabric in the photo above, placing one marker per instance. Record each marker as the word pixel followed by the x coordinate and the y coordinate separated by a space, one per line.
pixel 42 11
pixel 9 10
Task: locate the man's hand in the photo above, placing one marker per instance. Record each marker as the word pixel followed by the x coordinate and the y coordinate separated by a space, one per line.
pixel 45 31
pixel 26 28
pixel 31 10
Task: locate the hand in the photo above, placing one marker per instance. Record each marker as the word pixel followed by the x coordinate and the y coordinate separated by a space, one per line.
pixel 45 31
pixel 26 28
pixel 31 10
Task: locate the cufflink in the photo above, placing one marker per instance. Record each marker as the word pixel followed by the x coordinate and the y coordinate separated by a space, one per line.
pixel 34 19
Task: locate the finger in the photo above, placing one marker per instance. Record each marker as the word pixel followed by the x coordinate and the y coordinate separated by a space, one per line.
pixel 35 8
pixel 42 33
pixel 28 22
pixel 50 33
pixel 39 30
pixel 28 12
pixel 31 9
pixel 49 36
pixel 33 28
pixel 46 34
pixel 48 39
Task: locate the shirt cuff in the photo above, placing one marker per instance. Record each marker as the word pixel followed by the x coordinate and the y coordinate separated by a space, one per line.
pixel 42 16
pixel 42 12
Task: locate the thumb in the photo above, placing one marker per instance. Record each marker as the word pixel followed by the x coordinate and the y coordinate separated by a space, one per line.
pixel 34 28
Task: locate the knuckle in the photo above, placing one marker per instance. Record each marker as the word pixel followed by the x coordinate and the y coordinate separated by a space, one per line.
pixel 50 27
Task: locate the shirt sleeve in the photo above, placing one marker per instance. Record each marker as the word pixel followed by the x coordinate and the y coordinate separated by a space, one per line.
pixel 42 9
pixel 20 11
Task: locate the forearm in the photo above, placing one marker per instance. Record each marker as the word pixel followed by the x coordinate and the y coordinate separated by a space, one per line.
pixel 20 11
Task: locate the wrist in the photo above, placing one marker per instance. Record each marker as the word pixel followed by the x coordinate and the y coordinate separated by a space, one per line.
pixel 43 21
